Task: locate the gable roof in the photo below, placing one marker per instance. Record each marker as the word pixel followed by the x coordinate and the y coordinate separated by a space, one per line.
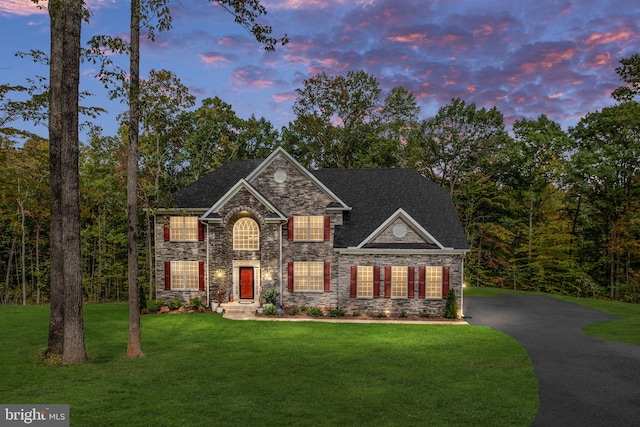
pixel 374 198
pixel 336 204
pixel 375 195
pixel 210 188
pixel 210 214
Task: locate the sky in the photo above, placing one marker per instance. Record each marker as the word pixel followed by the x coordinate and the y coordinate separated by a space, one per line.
pixel 527 58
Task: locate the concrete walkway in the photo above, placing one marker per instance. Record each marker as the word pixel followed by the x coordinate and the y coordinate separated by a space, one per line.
pixel 583 381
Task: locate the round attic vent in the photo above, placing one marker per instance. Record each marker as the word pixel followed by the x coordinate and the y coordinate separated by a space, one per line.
pixel 280 176
pixel 399 230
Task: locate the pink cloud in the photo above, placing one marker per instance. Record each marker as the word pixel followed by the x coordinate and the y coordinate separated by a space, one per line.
pixel 23 7
pixel 212 58
pixel 609 37
pixel 284 97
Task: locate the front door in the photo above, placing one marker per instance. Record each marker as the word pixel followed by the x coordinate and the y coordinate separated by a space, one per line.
pixel 246 282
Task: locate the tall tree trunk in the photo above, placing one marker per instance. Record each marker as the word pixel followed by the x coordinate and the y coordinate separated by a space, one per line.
pixel 7 276
pixel 74 348
pixel 56 319
pixel 23 264
pixel 134 344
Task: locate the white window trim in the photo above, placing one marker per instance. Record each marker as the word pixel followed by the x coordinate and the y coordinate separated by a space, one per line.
pixel 308 228
pixel 183 229
pixel 358 282
pixel 297 288
pixel 257 228
pixel 182 275
pixel 426 282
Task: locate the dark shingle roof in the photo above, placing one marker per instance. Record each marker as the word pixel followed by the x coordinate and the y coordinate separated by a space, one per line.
pixel 373 194
pixel 376 194
pixel 206 191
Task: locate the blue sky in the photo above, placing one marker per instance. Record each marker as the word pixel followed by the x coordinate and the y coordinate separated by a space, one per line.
pixel 525 57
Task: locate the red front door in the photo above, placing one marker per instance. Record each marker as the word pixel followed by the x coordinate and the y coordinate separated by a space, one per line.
pixel 246 282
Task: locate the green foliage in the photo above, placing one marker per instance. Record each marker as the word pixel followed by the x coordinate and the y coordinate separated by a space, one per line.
pixel 270 296
pixel 338 312
pixel 295 311
pixel 154 305
pixel 451 307
pixel 175 304
pixel 195 303
pixel 270 310
pixel 314 312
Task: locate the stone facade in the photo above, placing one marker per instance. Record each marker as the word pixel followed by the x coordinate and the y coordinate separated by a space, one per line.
pixel 281 190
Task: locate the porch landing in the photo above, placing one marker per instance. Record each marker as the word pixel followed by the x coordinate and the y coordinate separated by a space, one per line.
pixel 240 310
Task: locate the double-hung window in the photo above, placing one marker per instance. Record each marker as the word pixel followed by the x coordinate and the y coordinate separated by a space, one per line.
pixel 184 275
pixel 183 228
pixel 365 282
pixel 433 282
pixel 399 279
pixel 308 276
pixel 308 228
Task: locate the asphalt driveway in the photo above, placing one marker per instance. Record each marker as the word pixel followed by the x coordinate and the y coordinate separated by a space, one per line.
pixel 583 381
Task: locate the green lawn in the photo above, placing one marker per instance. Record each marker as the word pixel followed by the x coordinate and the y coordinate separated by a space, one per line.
pixel 202 370
pixel 624 329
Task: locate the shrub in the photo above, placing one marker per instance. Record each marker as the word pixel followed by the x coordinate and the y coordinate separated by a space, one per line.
pixel 314 312
pixel 154 305
pixel 357 314
pixel 381 315
pixel 424 314
pixel 175 304
pixel 451 307
pixel 403 315
pixel 270 310
pixel 295 311
pixel 195 303
pixel 271 296
pixel 338 312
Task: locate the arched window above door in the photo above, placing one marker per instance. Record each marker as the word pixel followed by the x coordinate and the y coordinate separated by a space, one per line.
pixel 246 235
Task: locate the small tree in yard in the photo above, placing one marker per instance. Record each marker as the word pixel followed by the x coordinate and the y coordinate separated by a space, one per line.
pixel 451 308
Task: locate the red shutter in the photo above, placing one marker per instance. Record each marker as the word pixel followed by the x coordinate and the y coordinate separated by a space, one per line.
pixel 167 276
pixel 354 282
pixel 421 281
pixel 387 282
pixel 445 282
pixel 376 282
pixel 200 231
pixel 290 230
pixel 167 232
pixel 327 228
pixel 327 277
pixel 411 283
pixel 290 277
pixel 201 276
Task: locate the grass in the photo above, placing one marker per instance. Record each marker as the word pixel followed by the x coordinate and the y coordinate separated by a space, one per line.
pixel 201 369
pixel 624 329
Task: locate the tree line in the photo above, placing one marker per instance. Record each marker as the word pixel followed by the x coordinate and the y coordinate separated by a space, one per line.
pixel 543 208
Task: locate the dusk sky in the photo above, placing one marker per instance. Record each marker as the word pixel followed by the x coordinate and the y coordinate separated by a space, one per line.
pixel 525 57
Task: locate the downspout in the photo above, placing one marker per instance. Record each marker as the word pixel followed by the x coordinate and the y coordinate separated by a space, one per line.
pixel 462 288
pixel 206 277
pixel 280 265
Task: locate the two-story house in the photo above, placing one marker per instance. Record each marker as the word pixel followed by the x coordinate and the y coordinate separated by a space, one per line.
pixel 368 240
